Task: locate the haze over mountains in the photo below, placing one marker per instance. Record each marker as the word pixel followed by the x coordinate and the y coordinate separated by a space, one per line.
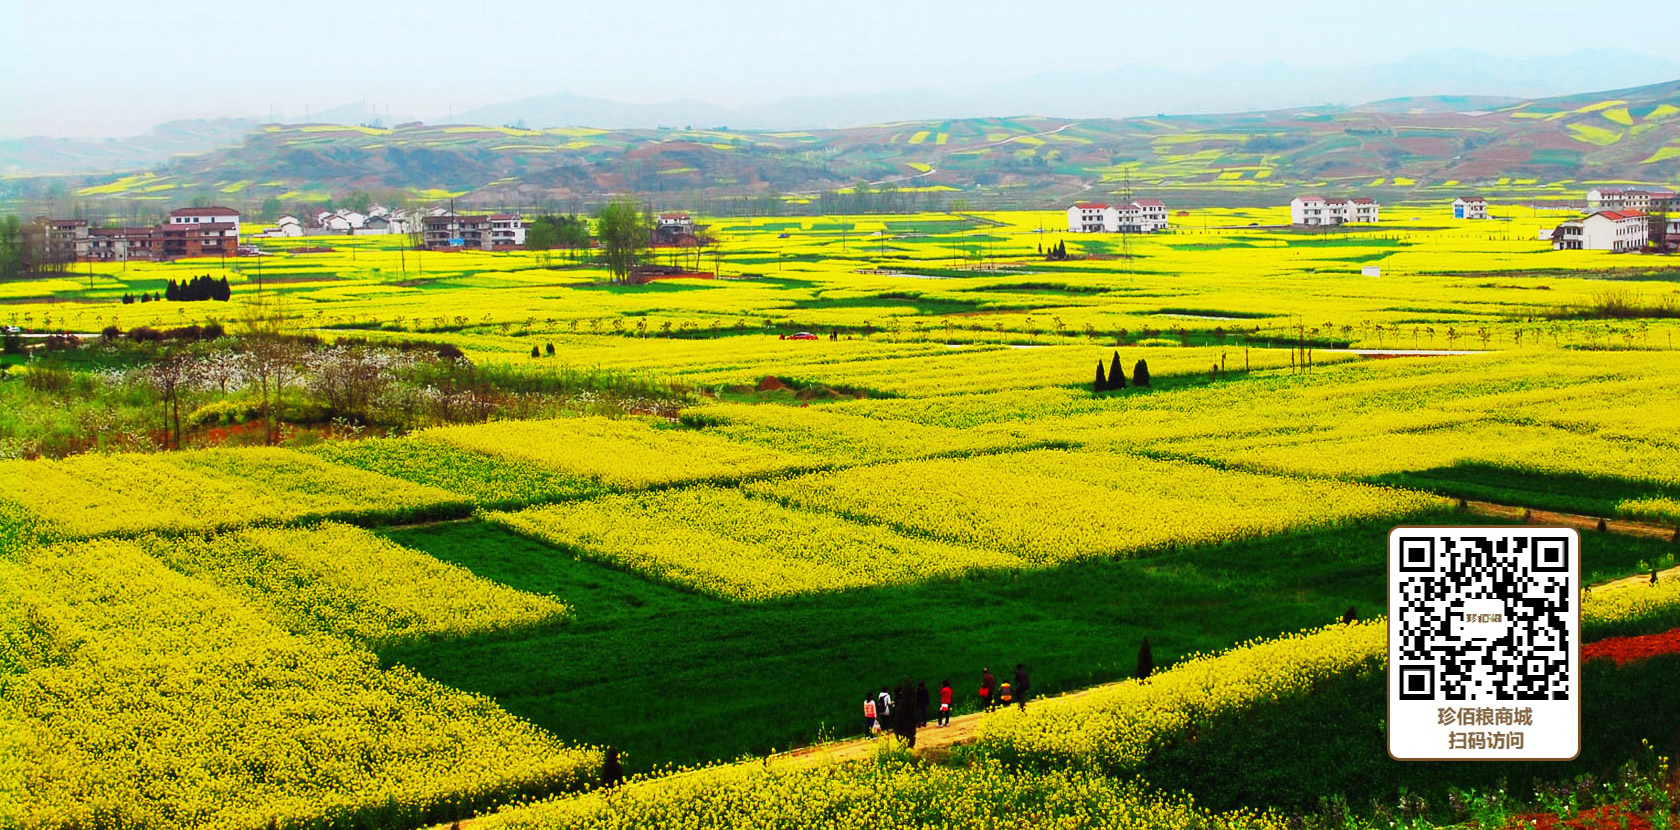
pixel 1548 149
pixel 1124 92
pixel 1128 91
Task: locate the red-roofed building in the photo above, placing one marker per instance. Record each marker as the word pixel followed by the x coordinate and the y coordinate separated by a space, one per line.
pixel 1619 231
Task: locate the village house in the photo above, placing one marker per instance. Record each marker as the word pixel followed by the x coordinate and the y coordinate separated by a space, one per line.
pixel 1613 198
pixel 672 228
pixel 1141 216
pixel 188 232
pixel 493 232
pixel 284 226
pixel 213 215
pixel 1317 210
pixel 1604 230
pixel 1087 217
pixel 507 231
pixel 62 239
pixel 1470 207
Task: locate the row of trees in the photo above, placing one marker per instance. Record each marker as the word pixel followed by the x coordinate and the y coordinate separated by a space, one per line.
pixel 549 232
pixel 28 249
pixel 1115 377
pixel 198 289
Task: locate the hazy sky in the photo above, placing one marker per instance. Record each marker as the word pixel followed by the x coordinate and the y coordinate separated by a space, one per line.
pixel 115 67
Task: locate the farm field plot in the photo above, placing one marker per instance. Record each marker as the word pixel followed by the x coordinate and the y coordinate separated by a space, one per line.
pixel 91 495
pixel 135 694
pixel 1049 506
pixel 722 542
pixel 522 512
pixel 489 480
pixel 353 584
pixel 622 453
pixel 1559 414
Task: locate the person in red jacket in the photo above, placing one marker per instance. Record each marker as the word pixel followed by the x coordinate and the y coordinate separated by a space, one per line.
pixel 988 683
pixel 945 704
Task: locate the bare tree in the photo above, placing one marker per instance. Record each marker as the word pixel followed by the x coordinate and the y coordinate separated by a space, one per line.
pixel 169 374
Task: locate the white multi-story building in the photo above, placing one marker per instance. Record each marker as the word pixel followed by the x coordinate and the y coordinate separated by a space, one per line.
pixel 206 216
pixel 1087 217
pixel 1470 207
pixel 1613 198
pixel 1317 210
pixel 1604 230
pixel 1141 216
pixel 495 232
pixel 506 229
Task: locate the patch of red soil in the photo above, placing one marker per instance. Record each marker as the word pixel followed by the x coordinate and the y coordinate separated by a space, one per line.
pixel 1612 817
pixel 1630 649
pixel 770 384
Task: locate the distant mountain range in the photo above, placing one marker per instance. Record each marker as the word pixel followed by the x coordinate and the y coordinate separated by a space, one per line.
pixel 1126 91
pixel 1530 148
pixel 1469 79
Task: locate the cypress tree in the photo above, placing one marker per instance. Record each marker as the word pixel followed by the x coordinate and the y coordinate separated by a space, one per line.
pixel 1116 373
pixel 1140 373
pixel 534 352
pixel 550 350
pixel 1101 384
pixel 225 292
pixel 1146 660
pixel 171 293
pixel 1351 615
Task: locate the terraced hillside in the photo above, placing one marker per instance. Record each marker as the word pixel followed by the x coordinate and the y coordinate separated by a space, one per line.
pixel 1552 147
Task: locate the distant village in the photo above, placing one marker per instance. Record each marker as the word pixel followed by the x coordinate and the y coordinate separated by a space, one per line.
pixel 1616 219
pixel 1622 220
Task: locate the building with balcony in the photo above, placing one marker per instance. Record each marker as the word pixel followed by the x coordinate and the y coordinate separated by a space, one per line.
pixel 1318 210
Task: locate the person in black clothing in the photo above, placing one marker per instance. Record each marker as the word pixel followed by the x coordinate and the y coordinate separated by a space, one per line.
pixel 921 703
pixel 612 772
pixel 1021 685
pixel 905 725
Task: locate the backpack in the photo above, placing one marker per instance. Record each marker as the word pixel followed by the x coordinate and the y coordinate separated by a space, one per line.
pixel 883 705
pixel 1004 694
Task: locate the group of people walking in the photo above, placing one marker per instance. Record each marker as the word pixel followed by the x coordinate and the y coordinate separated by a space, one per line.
pixel 906 709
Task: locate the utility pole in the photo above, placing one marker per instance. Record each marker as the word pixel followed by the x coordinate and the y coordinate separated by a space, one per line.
pixel 1125 229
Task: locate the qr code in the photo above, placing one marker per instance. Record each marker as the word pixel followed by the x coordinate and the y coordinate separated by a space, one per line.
pixel 1484 615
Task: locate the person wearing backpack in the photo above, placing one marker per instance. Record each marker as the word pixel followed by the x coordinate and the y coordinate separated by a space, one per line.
pixel 884 709
pixel 1021 685
pixel 945 704
pixel 870 725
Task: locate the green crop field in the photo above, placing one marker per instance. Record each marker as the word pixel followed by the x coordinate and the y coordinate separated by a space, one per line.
pixel 417 536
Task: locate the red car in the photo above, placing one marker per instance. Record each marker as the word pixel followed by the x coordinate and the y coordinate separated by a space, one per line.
pixel 804 335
